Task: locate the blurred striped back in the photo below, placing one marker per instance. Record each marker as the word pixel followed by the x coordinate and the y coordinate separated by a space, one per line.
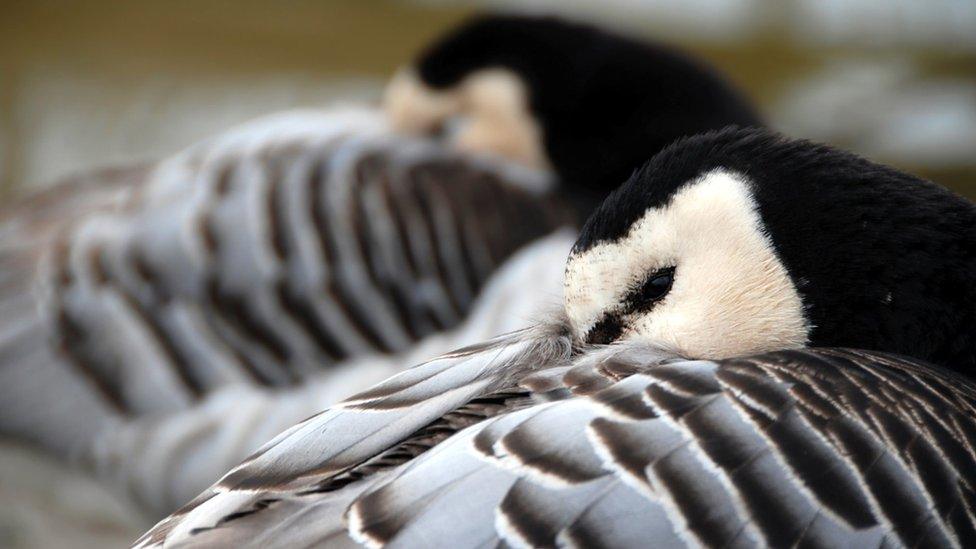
pixel 261 258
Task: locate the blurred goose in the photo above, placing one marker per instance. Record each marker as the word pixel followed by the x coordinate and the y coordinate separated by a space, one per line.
pixel 690 392
pixel 163 322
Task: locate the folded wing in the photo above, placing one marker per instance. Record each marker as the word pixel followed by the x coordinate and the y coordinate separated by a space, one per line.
pixel 826 447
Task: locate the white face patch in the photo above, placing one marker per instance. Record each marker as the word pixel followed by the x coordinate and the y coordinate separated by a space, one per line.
pixel 492 102
pixel 413 107
pixel 731 295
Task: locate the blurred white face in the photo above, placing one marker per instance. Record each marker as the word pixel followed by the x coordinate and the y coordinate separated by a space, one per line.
pixel 488 111
pixel 697 276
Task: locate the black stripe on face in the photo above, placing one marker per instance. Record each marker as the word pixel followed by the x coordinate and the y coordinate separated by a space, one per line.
pixel 606 331
pixel 641 299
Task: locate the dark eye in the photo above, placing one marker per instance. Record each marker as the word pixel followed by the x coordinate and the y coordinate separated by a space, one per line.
pixel 449 128
pixel 654 289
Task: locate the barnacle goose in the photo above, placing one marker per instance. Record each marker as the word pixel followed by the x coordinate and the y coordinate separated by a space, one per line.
pixel 160 323
pixel 589 104
pixel 691 391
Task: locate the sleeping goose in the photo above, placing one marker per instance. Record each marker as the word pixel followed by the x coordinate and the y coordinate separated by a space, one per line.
pixel 160 323
pixel 763 342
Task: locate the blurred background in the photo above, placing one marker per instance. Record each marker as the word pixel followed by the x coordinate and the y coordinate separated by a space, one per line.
pixel 85 84
pixel 113 82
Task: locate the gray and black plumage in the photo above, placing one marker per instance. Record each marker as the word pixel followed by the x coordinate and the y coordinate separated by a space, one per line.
pixel 704 415
pixel 294 254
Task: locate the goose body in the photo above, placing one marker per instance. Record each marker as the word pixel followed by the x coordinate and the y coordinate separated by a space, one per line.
pixel 261 262
pixel 267 260
pixel 675 400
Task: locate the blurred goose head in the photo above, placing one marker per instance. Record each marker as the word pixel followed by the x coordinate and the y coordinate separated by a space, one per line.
pixel 553 94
